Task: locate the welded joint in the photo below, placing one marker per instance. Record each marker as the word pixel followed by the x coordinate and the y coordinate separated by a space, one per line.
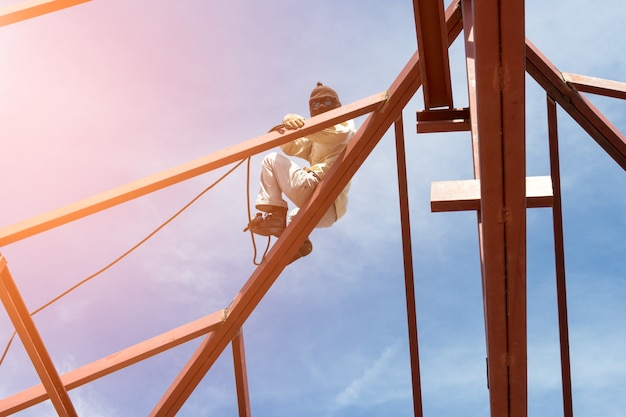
pixel 384 104
pixel 505 216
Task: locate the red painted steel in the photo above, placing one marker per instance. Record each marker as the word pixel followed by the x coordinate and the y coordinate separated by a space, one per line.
pixel 241 376
pixel 579 108
pixel 372 130
pixel 183 172
pixel 559 259
pixel 500 92
pixel 433 51
pixel 29 335
pixel 497 56
pixel 407 256
pixel 116 361
pixel 443 120
pixel 595 85
pixel 29 9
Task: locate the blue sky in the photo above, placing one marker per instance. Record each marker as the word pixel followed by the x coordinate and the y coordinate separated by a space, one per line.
pixel 104 93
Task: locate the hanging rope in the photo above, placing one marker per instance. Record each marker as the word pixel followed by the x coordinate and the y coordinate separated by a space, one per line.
pixel 267 248
pixel 128 252
pixel 280 129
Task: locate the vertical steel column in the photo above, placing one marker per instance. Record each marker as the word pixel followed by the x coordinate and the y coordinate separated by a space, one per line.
pixel 559 258
pixel 407 252
pixel 25 327
pixel 499 48
pixel 241 375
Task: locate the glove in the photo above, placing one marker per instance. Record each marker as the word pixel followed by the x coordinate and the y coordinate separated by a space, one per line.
pixel 293 121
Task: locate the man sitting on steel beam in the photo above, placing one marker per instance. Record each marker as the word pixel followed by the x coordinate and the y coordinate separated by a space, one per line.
pixel 280 175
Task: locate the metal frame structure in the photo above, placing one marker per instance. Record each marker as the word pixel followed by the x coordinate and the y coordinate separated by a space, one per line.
pixel 498 55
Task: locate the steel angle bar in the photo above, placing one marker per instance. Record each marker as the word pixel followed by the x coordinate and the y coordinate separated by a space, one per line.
pixel 594 85
pixel 559 259
pixel 241 375
pixel 29 335
pixel 579 108
pixel 184 172
pixel 33 8
pixel 433 50
pixel 409 276
pixel 116 361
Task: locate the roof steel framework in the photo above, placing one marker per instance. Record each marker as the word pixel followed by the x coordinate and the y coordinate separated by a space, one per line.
pixel 498 55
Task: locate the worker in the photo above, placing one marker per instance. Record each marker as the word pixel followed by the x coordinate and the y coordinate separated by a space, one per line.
pixel 280 175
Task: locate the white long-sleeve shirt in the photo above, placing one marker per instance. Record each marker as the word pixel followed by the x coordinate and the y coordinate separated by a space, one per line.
pixel 321 149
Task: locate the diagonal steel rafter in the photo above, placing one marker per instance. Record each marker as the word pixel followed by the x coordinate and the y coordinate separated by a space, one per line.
pixel 115 362
pixel 577 106
pixel 31 339
pixel 181 173
pixel 370 133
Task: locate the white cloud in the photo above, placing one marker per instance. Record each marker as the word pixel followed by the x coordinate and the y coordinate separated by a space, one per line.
pixel 383 380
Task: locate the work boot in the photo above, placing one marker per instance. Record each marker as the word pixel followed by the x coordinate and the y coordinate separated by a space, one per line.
pixel 303 250
pixel 266 224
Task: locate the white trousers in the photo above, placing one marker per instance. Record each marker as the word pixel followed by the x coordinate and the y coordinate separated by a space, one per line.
pixel 279 175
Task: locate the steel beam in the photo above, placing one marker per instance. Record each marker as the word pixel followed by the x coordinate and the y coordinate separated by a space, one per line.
pixel 116 361
pixel 183 172
pixel 39 356
pixel 33 8
pixel 443 120
pixel 577 106
pixel 499 91
pixel 594 85
pixel 241 376
pixel 409 275
pixel 559 260
pixel 465 194
pixel 432 43
pixel 259 283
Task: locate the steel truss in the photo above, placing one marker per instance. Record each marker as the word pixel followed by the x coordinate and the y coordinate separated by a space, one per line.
pixel 497 57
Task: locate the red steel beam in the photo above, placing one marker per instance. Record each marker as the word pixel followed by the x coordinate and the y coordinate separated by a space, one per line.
pixel 559 259
pixel 594 85
pixel 577 106
pixel 33 8
pixel 116 361
pixel 241 376
pixel 39 356
pixel 464 195
pixel 500 111
pixel 443 120
pixel 432 43
pixel 409 281
pixel 259 283
pixel 183 172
